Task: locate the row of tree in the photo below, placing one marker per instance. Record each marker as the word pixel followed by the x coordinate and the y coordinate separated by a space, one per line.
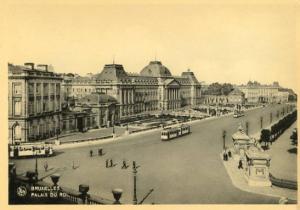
pixel 268 136
pixel 218 89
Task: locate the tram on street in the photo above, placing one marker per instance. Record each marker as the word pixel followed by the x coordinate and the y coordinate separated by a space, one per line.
pixel 30 150
pixel 174 132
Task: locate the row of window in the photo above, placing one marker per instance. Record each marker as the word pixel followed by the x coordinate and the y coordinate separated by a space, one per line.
pixel 54 88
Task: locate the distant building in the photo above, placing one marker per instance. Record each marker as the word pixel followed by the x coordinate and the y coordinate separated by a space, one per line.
pixel 34 102
pixel 258 93
pixel 154 89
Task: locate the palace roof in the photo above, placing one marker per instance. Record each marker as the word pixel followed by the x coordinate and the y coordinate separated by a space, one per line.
pixel 156 69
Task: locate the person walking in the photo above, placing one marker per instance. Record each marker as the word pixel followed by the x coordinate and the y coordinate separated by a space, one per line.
pixel 106 163
pixel 111 163
pixel 91 153
pixel 100 152
pixel 229 154
pixel 46 166
pixel 240 166
pixel 124 166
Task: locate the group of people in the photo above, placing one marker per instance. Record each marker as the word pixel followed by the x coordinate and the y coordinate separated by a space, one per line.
pixel 109 163
pixel 226 155
pixel 100 152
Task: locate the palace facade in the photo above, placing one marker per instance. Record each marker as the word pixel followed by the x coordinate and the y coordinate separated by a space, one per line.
pixel 153 89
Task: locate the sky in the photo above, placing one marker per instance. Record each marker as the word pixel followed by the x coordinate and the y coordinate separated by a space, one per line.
pixel 220 42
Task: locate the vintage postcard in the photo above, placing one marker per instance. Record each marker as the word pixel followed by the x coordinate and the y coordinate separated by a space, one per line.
pixel 150 103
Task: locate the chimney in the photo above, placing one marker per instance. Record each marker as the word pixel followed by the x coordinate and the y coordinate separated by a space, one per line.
pixel 29 64
pixel 43 65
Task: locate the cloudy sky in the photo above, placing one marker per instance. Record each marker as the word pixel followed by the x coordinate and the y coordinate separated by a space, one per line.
pixel 231 42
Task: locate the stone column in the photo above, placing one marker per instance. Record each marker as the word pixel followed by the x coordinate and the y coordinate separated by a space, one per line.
pixel 34 99
pixel 132 96
pixel 42 97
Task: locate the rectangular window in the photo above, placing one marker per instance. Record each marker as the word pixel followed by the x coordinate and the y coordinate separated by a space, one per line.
pixel 46 89
pixel 17 108
pixel 38 88
pixel 17 88
pixel 58 89
pixel 31 88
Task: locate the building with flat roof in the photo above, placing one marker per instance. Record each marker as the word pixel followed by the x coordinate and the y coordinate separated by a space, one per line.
pixel 34 102
pixel 258 93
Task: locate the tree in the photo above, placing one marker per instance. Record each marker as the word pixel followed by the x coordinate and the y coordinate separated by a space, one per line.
pixel 219 89
pixel 226 88
pixel 294 138
pixel 265 136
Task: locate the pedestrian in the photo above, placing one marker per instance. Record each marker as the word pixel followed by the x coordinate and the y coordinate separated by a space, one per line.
pixel 240 166
pixel 124 166
pixel 46 166
pixel 106 163
pixel 111 163
pixel 91 153
pixel 226 156
pixel 100 153
pixel 229 154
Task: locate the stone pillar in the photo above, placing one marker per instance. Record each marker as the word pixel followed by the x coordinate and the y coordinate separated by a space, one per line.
pixel 34 99
pixel 132 96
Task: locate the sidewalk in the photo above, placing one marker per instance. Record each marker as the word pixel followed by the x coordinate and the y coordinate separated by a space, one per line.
pixel 284 156
pixel 239 181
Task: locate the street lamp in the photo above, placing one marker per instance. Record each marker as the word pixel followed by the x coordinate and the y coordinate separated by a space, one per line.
pixel 224 136
pixel 271 117
pixel 247 127
pixel 36 165
pixel 134 182
pixel 261 122
pixel 12 132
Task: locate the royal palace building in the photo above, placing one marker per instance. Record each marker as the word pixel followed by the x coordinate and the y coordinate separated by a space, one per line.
pixel 34 102
pixel 153 89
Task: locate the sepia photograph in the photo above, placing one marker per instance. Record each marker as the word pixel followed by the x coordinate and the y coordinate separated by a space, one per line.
pixel 150 103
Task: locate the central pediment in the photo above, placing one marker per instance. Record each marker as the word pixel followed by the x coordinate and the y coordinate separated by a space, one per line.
pixel 172 83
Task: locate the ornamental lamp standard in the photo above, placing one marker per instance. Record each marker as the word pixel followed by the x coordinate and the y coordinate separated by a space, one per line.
pixel 224 136
pixel 134 182
pixel 271 117
pixel 36 165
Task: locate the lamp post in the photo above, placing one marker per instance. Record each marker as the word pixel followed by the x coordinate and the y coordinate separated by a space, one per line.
pixel 12 132
pixel 247 127
pixel 261 122
pixel 134 182
pixel 224 136
pixel 36 165
pixel 271 117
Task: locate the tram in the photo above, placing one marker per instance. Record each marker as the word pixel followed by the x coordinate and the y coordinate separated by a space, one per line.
pixel 174 132
pixel 30 150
